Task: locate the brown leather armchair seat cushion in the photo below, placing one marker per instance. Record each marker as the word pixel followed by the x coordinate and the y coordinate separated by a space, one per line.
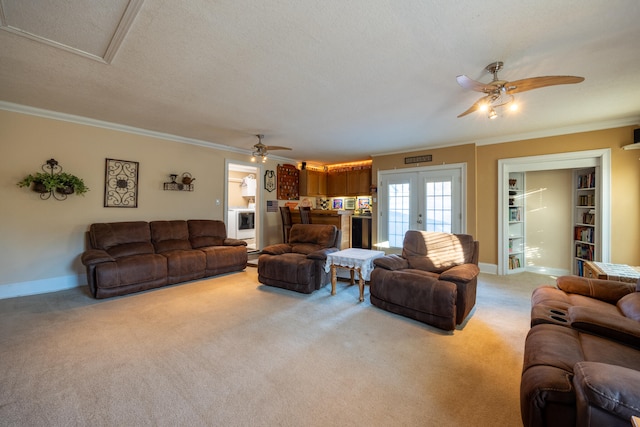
pixel 298 265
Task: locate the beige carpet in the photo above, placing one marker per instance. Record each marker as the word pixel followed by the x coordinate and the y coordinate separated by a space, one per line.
pixel 230 352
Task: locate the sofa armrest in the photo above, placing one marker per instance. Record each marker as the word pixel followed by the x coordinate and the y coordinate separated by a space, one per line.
pixel 234 242
pixel 277 249
pixel 605 290
pixel 322 253
pixel 604 390
pixel 461 273
pixel 615 327
pixel 96 256
pixel 391 262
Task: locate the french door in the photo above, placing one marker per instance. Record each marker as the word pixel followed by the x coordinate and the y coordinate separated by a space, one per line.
pixel 429 199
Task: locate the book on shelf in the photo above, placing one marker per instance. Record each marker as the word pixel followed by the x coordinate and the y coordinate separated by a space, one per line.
pixel 587 180
pixel 514 262
pixel 584 234
pixel 515 214
pixel 584 251
pixel 586 200
pixel 589 217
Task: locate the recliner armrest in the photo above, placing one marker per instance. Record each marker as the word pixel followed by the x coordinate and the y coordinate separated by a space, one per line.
pixel 322 253
pixel 391 262
pixel 603 390
pixel 277 249
pixel 234 242
pixel 96 256
pixel 461 273
pixel 615 327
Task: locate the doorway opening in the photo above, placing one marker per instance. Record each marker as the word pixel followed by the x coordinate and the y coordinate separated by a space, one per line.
pixel 600 160
pixel 242 197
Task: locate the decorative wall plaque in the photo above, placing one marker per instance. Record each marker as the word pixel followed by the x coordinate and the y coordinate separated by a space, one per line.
pixel 288 182
pixel 270 180
pixel 121 184
pixel 418 159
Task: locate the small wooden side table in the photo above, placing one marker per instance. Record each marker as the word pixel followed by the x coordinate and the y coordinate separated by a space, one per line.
pixel 619 272
pixel 358 260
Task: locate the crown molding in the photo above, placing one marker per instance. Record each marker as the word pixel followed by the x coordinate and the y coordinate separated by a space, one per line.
pixel 54 115
pixel 567 130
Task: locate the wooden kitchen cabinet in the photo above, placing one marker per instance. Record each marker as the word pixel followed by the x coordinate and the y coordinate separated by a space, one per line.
pixel 337 183
pixel 358 182
pixel 313 183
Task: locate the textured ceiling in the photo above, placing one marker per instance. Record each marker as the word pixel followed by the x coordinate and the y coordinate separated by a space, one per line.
pixel 333 80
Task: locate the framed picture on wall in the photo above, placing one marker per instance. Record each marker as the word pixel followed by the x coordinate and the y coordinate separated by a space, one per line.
pixel 121 184
pixel 337 203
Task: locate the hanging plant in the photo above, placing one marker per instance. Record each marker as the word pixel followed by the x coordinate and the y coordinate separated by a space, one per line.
pixel 54 181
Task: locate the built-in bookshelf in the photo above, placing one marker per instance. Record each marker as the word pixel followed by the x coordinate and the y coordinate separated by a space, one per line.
pixel 585 230
pixel 516 220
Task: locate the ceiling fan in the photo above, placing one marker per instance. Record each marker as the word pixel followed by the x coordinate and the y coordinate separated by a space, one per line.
pixel 499 93
pixel 260 150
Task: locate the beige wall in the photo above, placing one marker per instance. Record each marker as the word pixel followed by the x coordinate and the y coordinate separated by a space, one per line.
pixel 44 239
pixel 441 156
pixel 41 241
pixel 482 184
pixel 549 213
pixel 625 187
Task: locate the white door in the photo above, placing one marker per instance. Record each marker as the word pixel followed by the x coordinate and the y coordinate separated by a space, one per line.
pixel 429 199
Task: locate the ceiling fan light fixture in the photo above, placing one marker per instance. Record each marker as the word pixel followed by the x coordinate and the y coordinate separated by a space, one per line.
pixel 492 114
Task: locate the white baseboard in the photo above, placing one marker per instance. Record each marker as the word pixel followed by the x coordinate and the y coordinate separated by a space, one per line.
pixel 548 271
pixel 493 269
pixel 54 284
pixel 488 268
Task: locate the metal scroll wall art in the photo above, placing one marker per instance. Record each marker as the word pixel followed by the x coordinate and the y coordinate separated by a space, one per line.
pixel 121 184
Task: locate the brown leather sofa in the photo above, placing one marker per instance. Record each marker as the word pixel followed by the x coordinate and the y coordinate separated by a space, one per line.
pixel 582 355
pixel 299 265
pixel 126 257
pixel 434 281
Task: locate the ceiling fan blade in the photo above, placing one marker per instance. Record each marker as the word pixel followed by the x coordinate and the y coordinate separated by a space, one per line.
pixel 539 82
pixel 471 84
pixel 476 106
pixel 275 147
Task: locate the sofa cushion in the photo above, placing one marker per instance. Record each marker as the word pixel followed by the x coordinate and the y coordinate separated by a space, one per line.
pixel 305 248
pixel 435 251
pixel 131 270
pixel 629 305
pixel 206 232
pixel 121 239
pixel 169 235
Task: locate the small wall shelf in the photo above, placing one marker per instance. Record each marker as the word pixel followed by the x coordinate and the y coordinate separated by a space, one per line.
pixel 185 185
pixel 635 146
pixel 177 186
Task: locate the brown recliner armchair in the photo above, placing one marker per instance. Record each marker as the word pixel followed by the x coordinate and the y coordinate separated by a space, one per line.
pixel 434 281
pixel 299 264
